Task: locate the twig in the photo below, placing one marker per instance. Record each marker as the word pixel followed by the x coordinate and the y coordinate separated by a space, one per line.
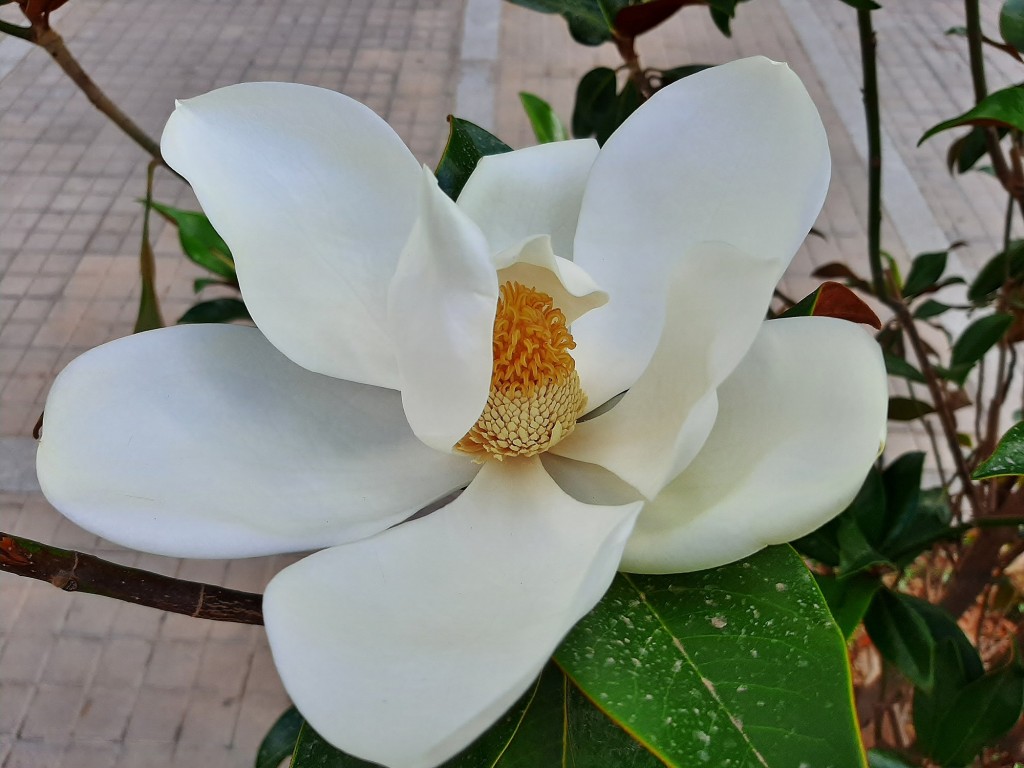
pixel 873 117
pixel 627 50
pixel 77 572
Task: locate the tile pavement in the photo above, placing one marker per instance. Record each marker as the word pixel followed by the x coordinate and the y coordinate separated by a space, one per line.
pixel 89 682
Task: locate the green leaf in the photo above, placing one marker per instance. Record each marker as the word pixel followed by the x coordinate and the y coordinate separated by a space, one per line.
pixel 149 317
pixel 943 628
pixel 856 553
pixel 908 409
pixel 1007 460
pixel 590 21
pixel 977 339
pixel 925 271
pixel 595 101
pixel 215 311
pixel 467 143
pixel 205 282
pixel 1005 265
pixel 982 711
pixel 545 123
pixel 669 76
pixel 897 366
pixel 551 723
pixel 902 481
pixel 966 709
pixel 200 241
pixel 966 151
pixel 1011 23
pixel 832 299
pixel 1000 108
pixel 722 13
pixel 740 665
pixel 930 308
pixel 848 599
pixel 279 743
pixel 878 758
pixel 902 637
pixel 920 527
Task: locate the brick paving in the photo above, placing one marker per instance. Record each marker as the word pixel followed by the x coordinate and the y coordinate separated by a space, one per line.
pixel 88 682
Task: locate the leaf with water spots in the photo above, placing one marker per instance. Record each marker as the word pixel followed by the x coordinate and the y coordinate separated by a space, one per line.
pixel 740 666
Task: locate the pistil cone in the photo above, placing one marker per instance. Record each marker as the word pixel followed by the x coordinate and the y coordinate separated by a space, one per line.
pixel 535 396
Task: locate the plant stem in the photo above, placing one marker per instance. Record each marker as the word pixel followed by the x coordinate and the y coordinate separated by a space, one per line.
pixel 871 113
pixel 627 50
pixel 53 43
pixel 77 572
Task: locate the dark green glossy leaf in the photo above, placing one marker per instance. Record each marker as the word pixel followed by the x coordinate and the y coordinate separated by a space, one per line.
pixel 930 308
pixel 595 101
pixel 902 481
pixel 925 271
pixel 848 599
pixel 1007 460
pixel 1011 23
pixel 897 366
pixel 754 662
pixel 722 13
pixel 1005 266
pixel 824 545
pixel 467 143
pixel 669 76
pixel 279 743
pixel 943 628
pixel 923 525
pixel 590 21
pixel 553 724
pixel 966 151
pixel 878 758
pixel 856 553
pixel 863 5
pixel 982 711
pixel 932 707
pixel 626 103
pixel 216 311
pixel 966 709
pixel 977 339
pixel 1000 108
pixel 908 409
pixel 869 507
pixel 149 317
pixel 545 123
pixel 200 241
pixel 902 637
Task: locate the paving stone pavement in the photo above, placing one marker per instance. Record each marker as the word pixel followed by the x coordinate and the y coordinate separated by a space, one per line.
pixel 88 682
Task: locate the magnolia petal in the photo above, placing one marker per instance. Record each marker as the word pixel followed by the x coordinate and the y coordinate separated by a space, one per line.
pixel 315 195
pixel 403 648
pixel 441 312
pixel 716 305
pixel 530 191
pixel 205 441
pixel 534 264
pixel 737 154
pixel 800 422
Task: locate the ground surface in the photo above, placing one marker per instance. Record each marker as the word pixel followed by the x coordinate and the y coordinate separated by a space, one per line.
pixel 90 683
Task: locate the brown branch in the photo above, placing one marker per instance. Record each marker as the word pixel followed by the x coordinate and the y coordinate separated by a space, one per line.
pixel 48 39
pixel 77 572
pixel 627 51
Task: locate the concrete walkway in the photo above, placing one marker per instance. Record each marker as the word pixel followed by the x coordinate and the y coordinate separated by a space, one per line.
pixel 86 682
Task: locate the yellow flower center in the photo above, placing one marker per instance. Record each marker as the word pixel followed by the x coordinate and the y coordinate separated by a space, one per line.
pixel 535 395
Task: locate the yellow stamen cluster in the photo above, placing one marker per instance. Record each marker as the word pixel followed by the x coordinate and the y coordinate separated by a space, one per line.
pixel 535 395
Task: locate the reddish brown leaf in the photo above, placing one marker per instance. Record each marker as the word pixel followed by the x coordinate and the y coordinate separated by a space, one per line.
pixel 836 300
pixel 634 20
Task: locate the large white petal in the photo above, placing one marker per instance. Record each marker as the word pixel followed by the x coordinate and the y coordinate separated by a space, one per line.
pixel 532 191
pixel 441 311
pixel 315 195
pixel 205 441
pixel 403 648
pixel 716 305
pixel 800 422
pixel 736 154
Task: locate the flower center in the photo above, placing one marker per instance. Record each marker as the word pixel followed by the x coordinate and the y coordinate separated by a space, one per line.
pixel 535 395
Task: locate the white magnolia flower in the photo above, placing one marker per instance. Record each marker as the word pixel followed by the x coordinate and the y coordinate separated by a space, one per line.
pixel 409 346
